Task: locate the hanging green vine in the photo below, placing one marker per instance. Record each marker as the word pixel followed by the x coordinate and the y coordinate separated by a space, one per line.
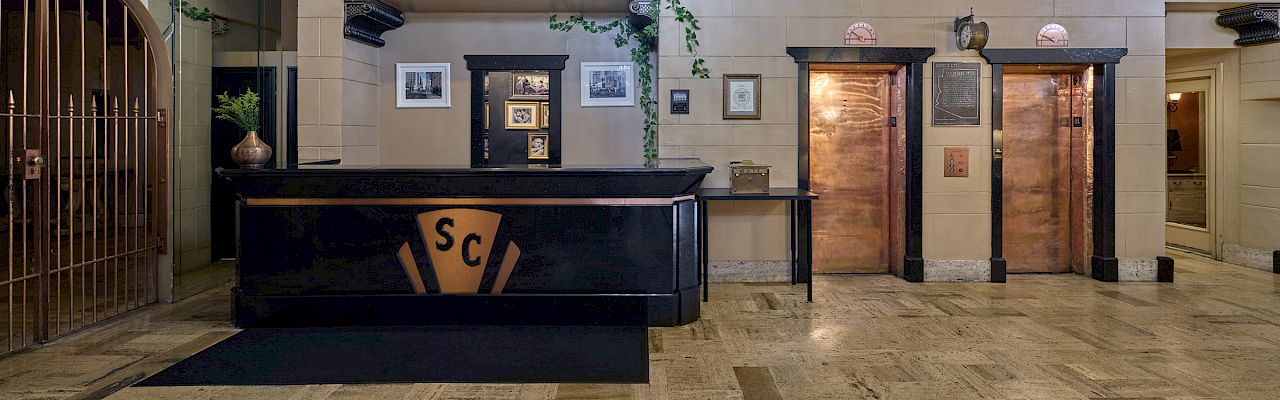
pixel 646 43
pixel 191 11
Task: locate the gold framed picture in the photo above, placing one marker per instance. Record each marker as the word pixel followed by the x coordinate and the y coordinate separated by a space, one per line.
pixel 521 115
pixel 741 96
pixel 539 146
pixel 486 115
pixel 544 119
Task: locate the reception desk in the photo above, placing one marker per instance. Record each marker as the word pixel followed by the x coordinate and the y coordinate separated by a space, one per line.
pixel 339 245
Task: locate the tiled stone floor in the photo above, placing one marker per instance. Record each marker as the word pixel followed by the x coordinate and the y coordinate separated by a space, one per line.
pixel 1215 333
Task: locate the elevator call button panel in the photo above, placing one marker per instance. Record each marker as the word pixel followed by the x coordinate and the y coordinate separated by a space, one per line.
pixel 955 162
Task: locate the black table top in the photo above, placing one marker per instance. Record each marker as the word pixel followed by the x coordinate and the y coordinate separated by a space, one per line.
pixel 774 194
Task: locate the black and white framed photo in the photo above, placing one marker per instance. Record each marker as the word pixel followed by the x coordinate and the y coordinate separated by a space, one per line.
pixel 521 115
pixel 608 84
pixel 544 121
pixel 741 96
pixel 530 85
pixel 539 145
pixel 422 85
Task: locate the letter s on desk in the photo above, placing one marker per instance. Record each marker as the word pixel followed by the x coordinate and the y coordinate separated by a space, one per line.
pixel 448 239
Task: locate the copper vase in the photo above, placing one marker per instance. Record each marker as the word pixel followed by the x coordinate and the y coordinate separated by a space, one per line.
pixel 251 153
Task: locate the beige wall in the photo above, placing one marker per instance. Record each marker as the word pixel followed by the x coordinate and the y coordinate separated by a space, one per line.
pixel 751 36
pixel 593 135
pixel 331 69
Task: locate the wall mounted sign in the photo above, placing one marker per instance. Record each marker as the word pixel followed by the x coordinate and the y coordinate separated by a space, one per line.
pixel 1052 35
pixel 955 162
pixel 956 93
pixel 860 34
pixel 741 96
pixel 608 84
pixel 679 101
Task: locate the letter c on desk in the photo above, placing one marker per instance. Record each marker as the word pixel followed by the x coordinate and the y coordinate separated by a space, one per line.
pixel 466 250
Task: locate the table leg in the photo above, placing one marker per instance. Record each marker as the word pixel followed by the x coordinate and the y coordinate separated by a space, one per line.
pixel 806 222
pixel 791 235
pixel 706 264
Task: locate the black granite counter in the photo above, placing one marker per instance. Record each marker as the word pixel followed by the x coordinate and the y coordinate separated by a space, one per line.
pixel 337 245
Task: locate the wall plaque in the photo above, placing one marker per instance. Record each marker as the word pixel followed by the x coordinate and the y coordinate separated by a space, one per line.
pixel 955 93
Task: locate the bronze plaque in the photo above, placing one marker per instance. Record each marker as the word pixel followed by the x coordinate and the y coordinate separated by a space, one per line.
pixel 956 96
pixel 955 161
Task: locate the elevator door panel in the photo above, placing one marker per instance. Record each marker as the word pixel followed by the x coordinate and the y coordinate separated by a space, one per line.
pixel 1037 168
pixel 849 166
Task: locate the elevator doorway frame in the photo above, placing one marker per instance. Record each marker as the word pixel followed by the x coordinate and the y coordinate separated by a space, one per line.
pixel 913 60
pixel 1103 265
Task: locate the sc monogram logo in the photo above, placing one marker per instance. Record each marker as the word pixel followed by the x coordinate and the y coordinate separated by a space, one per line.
pixel 459 243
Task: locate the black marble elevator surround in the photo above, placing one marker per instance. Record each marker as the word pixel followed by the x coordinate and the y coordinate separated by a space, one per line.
pixel 913 59
pixel 1103 263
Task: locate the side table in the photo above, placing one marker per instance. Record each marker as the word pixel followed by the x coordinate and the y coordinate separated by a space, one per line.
pixel 800 233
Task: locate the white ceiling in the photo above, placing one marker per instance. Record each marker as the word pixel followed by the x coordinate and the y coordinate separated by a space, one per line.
pixel 435 6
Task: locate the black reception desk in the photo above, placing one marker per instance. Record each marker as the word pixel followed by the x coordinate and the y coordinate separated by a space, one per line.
pixel 340 245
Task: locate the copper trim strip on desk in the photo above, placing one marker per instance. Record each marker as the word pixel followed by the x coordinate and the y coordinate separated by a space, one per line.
pixel 464 201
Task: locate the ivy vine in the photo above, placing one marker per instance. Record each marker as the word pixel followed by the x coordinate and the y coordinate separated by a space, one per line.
pixel 646 43
pixel 191 11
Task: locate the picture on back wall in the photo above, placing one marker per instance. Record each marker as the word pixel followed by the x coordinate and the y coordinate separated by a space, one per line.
pixel 606 84
pixel 521 115
pixel 422 85
pixel 538 146
pixel 534 85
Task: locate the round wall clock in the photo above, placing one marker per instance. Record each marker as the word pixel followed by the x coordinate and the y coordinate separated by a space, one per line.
pixel 971 35
pixel 1052 35
pixel 860 34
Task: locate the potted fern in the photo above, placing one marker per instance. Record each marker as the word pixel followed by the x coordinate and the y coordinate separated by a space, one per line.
pixel 242 110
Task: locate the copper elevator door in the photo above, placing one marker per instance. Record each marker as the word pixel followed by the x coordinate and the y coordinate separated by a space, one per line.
pixel 1037 167
pixel 849 167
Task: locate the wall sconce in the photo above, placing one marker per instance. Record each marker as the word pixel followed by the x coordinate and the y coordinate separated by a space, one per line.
pixel 1173 101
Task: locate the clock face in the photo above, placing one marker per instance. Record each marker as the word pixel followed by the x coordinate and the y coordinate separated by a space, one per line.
pixel 971 35
pixel 1052 35
pixel 860 34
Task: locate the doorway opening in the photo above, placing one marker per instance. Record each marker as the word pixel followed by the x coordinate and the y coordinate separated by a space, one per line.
pixel 1047 178
pixel 857 167
pixel 1191 129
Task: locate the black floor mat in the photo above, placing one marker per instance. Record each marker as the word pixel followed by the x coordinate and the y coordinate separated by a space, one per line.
pixel 439 354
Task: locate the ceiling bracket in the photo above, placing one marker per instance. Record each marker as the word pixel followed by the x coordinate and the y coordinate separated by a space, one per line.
pixel 367 20
pixel 1257 23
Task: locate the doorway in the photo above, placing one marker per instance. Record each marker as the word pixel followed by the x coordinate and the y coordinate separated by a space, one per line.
pixel 1047 181
pixel 1190 131
pixel 856 167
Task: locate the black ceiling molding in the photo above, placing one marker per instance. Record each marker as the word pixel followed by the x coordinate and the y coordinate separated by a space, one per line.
pixel 638 14
pixel 368 19
pixel 1256 23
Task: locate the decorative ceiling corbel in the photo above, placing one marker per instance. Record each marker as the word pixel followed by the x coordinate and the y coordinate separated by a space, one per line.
pixel 1256 23
pixel 368 19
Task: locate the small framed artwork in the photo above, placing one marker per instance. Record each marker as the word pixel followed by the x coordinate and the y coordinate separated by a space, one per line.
pixel 534 85
pixel 544 119
pixel 422 85
pixel 608 84
pixel 522 115
pixel 741 96
pixel 539 145
pixel 486 115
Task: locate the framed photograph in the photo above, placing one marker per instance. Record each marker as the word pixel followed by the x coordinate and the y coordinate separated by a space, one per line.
pixel 522 115
pixel 486 115
pixel 486 85
pixel 422 85
pixel 535 85
pixel 544 119
pixel 608 84
pixel 539 143
pixel 741 96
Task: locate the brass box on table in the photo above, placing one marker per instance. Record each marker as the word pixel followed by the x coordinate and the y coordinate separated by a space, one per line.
pixel 748 177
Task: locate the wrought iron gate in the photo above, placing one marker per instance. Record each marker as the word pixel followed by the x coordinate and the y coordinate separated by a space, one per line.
pixel 85 183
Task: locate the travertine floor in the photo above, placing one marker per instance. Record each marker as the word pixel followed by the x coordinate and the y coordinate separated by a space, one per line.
pixel 1215 333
